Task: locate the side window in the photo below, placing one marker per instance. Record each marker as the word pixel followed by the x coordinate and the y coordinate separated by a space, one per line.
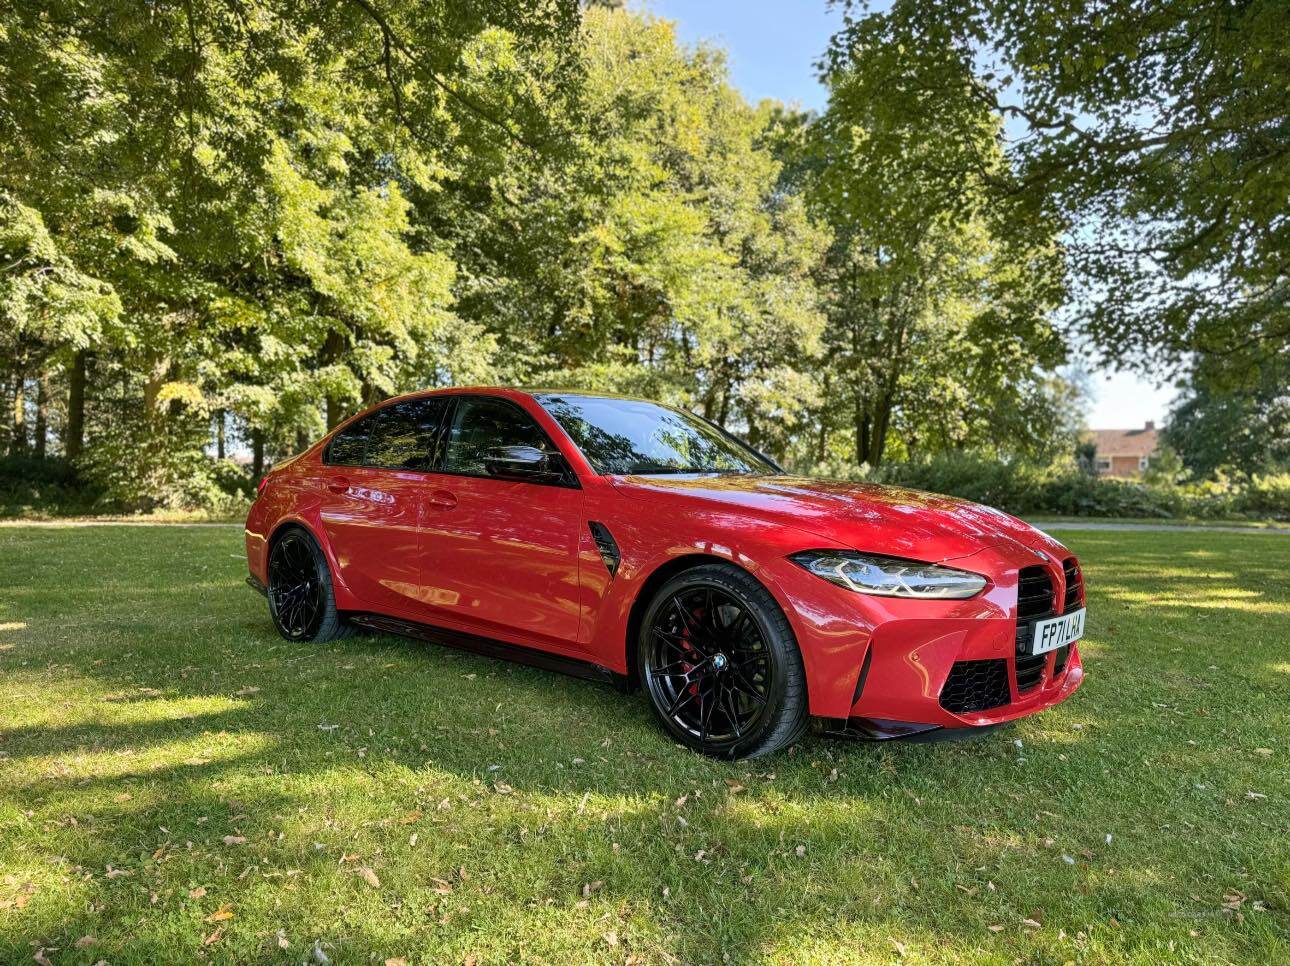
pixel 480 424
pixel 347 447
pixel 407 435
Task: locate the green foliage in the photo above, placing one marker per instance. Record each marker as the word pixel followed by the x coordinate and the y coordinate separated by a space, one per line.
pixel 1155 131
pixel 1241 426
pixel 32 487
pixel 1034 490
pixel 163 467
pixel 264 216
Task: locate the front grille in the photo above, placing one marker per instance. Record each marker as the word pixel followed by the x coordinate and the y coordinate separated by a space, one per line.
pixel 1030 671
pixel 976 686
pixel 1074 584
pixel 1060 657
pixel 1035 597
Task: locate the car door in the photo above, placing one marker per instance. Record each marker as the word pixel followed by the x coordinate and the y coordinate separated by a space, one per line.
pixel 500 556
pixel 376 487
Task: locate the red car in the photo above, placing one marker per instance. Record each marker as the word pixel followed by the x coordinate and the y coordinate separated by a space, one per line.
pixel 625 540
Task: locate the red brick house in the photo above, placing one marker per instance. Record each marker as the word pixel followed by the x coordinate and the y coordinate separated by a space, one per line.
pixel 1124 452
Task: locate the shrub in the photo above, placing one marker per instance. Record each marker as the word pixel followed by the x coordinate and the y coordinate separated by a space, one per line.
pixel 1063 489
pixel 50 486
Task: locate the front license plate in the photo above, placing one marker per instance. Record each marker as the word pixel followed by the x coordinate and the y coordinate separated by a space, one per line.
pixel 1057 632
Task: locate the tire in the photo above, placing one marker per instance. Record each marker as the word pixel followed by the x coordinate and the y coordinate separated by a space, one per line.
pixel 302 601
pixel 720 664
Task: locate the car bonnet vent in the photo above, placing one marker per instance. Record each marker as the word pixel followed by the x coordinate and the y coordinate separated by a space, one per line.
pixel 607 546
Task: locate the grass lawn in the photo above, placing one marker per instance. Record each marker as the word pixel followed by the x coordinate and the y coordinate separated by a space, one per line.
pixel 177 783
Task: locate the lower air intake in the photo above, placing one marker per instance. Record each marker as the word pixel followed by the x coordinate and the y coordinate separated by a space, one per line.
pixel 976 686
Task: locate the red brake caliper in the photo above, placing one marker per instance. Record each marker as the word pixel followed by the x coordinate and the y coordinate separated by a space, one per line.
pixel 685 633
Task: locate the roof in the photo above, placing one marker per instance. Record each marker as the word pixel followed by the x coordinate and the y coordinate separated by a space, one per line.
pixel 1126 442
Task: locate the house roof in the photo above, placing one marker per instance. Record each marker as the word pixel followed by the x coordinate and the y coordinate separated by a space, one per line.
pixel 1125 442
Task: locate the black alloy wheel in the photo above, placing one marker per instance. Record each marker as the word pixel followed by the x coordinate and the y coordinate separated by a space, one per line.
pixel 301 600
pixel 720 664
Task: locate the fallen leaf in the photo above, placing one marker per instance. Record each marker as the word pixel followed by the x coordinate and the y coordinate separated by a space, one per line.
pixel 995 928
pixel 900 947
pixel 85 942
pixel 611 938
pixel 369 876
pixel 396 961
pixel 197 893
pixel 214 937
pixel 116 873
pixel 234 839
pixel 282 939
pixel 124 797
pixel 801 851
pixel 222 914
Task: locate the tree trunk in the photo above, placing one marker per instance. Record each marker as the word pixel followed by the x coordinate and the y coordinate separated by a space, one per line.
pixel 221 434
pixel 332 349
pixel 257 454
pixel 42 413
pixel 18 441
pixel 74 433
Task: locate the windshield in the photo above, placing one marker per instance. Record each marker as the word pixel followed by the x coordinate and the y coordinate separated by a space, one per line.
pixel 631 437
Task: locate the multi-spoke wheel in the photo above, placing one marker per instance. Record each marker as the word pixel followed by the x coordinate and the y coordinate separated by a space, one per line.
pixel 300 593
pixel 720 664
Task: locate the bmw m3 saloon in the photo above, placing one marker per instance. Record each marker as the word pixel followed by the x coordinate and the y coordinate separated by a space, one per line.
pixel 633 542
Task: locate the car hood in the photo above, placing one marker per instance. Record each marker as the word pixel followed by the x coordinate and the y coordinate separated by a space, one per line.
pixel 868 517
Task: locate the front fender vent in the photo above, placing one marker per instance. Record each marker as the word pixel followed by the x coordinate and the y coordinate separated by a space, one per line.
pixel 607 546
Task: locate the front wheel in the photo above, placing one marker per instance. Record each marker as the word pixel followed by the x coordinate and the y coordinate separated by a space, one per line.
pixel 301 600
pixel 721 666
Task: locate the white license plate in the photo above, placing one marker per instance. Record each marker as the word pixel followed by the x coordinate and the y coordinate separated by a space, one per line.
pixel 1057 632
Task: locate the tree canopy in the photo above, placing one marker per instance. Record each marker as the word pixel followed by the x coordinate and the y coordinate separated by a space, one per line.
pixel 225 226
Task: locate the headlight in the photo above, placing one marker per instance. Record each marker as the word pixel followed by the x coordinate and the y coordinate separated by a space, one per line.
pixel 890 576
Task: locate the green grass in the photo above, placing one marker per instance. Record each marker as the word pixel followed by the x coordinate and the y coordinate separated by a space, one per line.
pixel 147 712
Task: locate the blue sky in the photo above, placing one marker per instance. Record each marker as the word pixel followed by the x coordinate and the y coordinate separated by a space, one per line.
pixel 772 49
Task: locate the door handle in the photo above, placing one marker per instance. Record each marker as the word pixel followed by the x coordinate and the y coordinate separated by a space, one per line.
pixel 338 484
pixel 441 500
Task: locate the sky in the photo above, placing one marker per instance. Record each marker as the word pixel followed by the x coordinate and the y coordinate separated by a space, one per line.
pixel 772 48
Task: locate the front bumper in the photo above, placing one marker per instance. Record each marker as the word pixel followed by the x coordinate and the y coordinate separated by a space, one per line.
pixel 891 667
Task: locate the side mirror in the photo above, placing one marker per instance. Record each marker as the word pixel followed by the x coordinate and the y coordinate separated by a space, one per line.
pixel 522 463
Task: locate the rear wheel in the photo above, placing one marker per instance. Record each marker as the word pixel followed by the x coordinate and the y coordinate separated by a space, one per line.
pixel 720 664
pixel 301 600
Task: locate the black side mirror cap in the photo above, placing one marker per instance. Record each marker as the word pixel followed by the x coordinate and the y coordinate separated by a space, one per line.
pixel 523 463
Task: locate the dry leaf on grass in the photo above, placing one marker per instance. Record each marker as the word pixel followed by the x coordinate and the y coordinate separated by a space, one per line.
pixel 197 893
pixel 85 942
pixel 234 839
pixel 222 914
pixel 369 876
pixel 214 937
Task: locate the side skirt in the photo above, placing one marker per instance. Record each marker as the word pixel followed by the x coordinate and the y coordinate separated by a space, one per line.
pixel 488 647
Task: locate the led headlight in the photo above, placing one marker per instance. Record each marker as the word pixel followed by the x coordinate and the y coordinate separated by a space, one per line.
pixel 889 576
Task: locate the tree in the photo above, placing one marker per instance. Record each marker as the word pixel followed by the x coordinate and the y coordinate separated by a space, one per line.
pixel 939 292
pixel 1156 132
pixel 661 258
pixel 1218 426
